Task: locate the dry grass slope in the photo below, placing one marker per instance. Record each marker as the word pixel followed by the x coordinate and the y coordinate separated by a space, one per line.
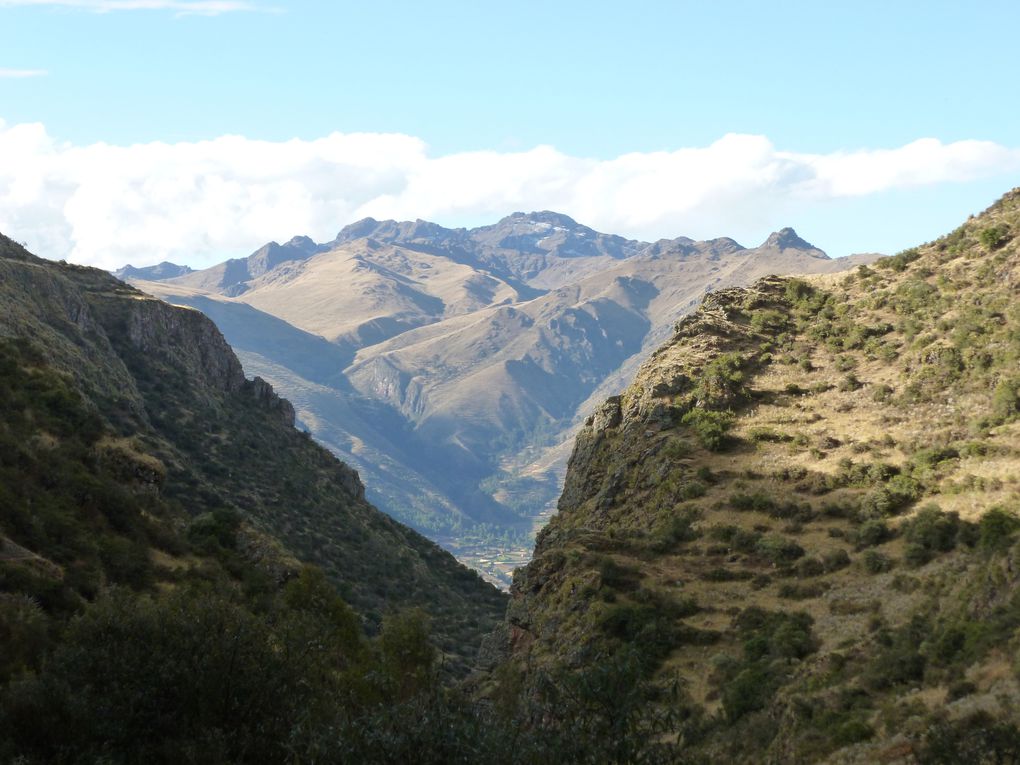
pixel 805 507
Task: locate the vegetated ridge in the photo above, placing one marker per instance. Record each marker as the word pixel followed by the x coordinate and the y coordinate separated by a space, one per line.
pixel 130 432
pixel 802 520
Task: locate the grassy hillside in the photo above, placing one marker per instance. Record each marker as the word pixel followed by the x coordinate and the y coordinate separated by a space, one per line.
pixel 805 511
pixel 794 539
pixel 157 411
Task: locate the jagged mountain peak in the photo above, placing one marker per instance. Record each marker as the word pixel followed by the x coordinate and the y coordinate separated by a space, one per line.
pixel 301 241
pixel 787 239
pixel 158 272
pixel 358 229
pixel 542 216
pixel 394 231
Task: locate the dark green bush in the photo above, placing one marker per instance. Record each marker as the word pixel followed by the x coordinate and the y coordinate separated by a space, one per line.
pixel 977 738
pixel 872 533
pixel 1006 399
pixel 876 562
pixel 997 529
pixel 900 260
pixel 994 237
pixel 835 560
pixel 617 576
pixel 898 493
pixel 768 638
pixel 723 382
pixel 932 532
pixel 710 427
pixel 778 550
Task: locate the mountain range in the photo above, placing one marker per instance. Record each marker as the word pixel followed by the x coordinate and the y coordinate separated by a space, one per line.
pixel 794 536
pixel 453 366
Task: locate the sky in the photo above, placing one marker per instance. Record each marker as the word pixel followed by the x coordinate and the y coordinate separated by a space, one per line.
pixel 197 130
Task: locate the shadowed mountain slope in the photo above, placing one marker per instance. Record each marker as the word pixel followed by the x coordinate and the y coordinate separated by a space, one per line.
pixel 176 416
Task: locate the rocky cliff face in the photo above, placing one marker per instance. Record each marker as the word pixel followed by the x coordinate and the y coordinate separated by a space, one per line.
pixel 806 507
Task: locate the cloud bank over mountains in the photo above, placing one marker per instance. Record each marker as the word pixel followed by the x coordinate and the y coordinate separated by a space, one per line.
pixel 203 201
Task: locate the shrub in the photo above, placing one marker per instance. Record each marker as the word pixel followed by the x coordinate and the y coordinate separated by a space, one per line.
pixel 768 320
pixel 23 634
pixel 778 549
pixel 805 591
pixel 218 528
pixel 616 576
pixel 676 448
pixel 875 562
pixel 759 501
pixel 750 682
pixel 705 475
pixel 976 738
pixel 997 528
pixel 809 567
pixel 151 678
pixel 803 296
pixel 929 533
pixel 900 260
pixel 930 457
pixel 895 664
pixel 849 383
pixel 749 691
pixel 408 657
pixel 675 528
pixel 1006 399
pixel 881 393
pixel 710 427
pixel 993 237
pixel 692 490
pixel 886 500
pixel 722 383
pixel 872 533
pixel 835 560
pixel 852 732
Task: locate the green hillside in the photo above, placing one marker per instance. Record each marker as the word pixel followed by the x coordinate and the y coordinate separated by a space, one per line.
pixel 803 517
pixel 794 539
pixel 142 477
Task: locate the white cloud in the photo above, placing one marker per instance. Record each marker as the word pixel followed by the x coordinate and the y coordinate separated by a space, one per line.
pixel 182 7
pixel 17 74
pixel 205 201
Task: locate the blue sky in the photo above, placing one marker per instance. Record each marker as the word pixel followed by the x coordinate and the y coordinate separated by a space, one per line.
pixel 594 81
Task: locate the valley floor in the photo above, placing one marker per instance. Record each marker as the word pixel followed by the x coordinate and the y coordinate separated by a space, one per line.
pixel 494 561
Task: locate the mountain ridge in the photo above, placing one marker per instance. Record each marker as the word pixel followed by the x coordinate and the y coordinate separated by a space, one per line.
pixel 174 403
pixel 803 512
pixel 486 343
